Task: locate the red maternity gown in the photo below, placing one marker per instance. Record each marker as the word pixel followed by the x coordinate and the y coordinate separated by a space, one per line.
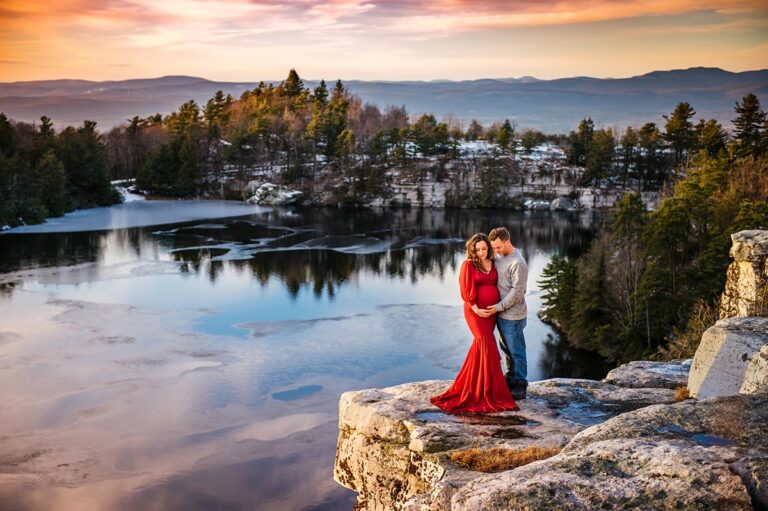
pixel 480 386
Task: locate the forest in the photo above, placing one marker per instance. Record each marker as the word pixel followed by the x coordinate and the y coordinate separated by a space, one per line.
pixel 649 284
pixel 323 138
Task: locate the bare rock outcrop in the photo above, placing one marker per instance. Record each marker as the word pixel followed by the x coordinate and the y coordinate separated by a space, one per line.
pixel 646 374
pixel 730 359
pixel 707 454
pixel 394 446
pixel 746 289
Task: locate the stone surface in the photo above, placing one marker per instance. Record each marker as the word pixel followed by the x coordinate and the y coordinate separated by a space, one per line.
pixel 268 194
pixel 394 446
pixel 708 455
pixel 647 374
pixel 756 375
pixel 563 204
pixel 720 365
pixel 746 289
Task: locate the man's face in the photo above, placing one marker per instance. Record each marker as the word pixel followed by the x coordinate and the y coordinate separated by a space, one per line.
pixel 498 246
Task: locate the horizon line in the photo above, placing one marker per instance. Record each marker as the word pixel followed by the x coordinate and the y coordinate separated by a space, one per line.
pixel 500 78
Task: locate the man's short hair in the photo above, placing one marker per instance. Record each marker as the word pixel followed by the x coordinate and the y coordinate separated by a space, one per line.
pixel 499 233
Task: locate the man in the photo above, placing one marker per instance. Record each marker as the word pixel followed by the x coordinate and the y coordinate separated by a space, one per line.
pixel 512 310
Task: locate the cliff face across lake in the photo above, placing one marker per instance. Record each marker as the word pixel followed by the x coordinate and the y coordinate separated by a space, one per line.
pixel 479 175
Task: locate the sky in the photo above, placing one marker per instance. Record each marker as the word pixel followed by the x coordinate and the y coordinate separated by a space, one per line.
pixel 251 40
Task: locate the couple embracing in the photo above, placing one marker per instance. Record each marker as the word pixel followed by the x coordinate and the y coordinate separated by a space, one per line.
pixel 493 289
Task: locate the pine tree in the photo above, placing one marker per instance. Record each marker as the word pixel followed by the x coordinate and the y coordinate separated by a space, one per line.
pixel 651 167
pixel 749 125
pixel 7 137
pixel 600 156
pixel 629 142
pixel 336 118
pixel 710 137
pixel 558 288
pixel 320 94
pixel 591 323
pixel 293 86
pixel 52 180
pixel 505 135
pixel 578 142
pixel 186 178
pixel 679 132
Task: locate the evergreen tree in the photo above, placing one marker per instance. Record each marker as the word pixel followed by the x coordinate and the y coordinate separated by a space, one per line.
pixel 430 136
pixel 629 142
pixel 187 118
pixel 530 139
pixel 651 167
pixel 749 125
pixel 679 132
pixel 320 95
pixel 492 181
pixel 7 137
pixel 590 327
pixel 215 114
pixel 52 180
pixel 505 136
pixel 599 157
pixel 578 142
pixel 710 137
pixel 336 118
pixel 83 154
pixel 186 177
pixel 558 288
pixel 293 86
pixel 44 139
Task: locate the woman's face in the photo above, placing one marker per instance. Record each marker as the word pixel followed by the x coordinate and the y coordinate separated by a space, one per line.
pixel 481 249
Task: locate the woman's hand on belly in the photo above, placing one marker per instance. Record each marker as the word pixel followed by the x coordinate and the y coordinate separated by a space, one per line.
pixel 483 313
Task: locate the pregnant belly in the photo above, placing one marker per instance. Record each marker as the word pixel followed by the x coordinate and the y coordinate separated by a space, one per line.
pixel 487 296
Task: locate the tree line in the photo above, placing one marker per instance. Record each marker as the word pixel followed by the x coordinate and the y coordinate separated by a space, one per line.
pixel 326 138
pixel 650 282
pixel 287 131
pixel 651 156
pixel 46 174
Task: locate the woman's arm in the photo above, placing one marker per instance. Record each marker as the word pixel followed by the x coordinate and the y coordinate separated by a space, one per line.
pixel 468 291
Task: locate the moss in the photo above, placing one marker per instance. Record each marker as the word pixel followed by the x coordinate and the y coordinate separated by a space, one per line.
pixel 681 394
pixel 498 459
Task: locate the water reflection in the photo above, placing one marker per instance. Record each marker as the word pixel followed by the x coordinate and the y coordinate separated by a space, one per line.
pixel 322 251
pixel 199 365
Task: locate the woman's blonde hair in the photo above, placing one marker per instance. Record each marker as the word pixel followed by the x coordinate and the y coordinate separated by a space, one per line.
pixel 472 255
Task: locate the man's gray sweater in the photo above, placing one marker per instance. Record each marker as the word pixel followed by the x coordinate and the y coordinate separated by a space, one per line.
pixel 512 283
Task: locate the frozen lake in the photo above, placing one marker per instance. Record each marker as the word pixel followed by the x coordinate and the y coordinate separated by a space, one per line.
pixel 196 362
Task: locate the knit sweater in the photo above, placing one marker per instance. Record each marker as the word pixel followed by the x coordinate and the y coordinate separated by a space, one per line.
pixel 512 283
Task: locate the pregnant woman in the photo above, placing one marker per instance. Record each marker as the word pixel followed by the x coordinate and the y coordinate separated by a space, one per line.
pixel 480 386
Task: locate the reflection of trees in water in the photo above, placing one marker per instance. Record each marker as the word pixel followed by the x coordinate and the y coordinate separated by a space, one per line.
pixel 25 251
pixel 421 242
pixel 325 268
pixel 409 233
pixel 562 360
pixel 322 269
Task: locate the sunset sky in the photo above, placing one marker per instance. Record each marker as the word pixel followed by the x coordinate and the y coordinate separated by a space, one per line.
pixel 241 40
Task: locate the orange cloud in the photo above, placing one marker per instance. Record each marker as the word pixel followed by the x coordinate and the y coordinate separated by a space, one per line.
pixel 172 36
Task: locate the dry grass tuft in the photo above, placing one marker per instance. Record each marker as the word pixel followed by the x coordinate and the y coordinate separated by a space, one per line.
pixel 499 458
pixel 681 394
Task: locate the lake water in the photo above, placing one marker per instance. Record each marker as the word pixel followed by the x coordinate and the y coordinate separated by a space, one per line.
pixel 198 365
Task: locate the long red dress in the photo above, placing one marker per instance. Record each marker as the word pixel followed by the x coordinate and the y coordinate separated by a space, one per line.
pixel 480 386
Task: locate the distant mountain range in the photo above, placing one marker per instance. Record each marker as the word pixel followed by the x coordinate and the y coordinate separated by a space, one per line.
pixel 548 105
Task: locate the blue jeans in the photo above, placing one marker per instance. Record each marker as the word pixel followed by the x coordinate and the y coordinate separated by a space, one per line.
pixel 512 344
